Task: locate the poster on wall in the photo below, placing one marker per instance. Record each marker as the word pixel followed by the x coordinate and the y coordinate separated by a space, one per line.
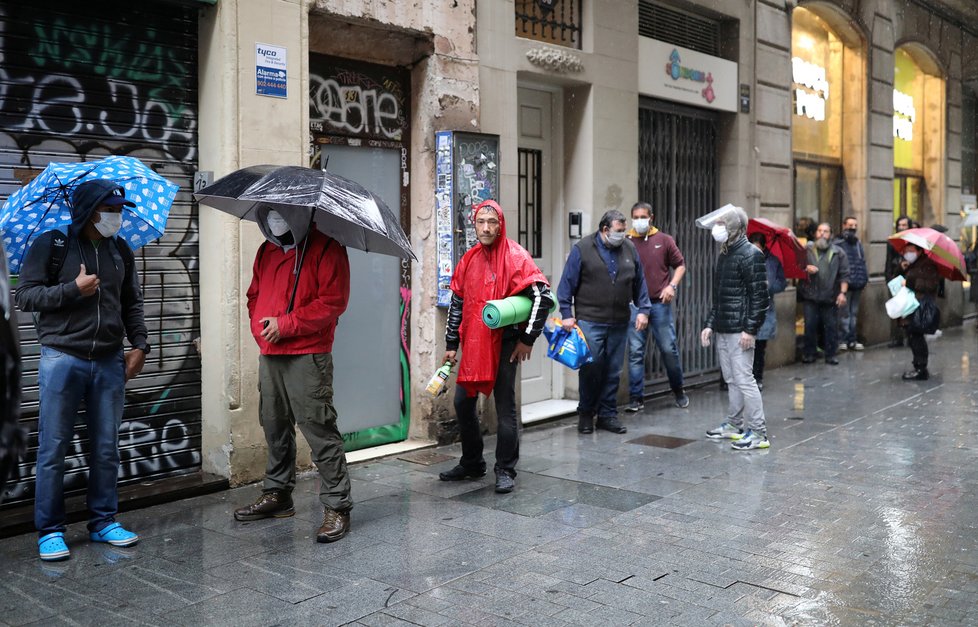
pixel 467 173
pixel 271 71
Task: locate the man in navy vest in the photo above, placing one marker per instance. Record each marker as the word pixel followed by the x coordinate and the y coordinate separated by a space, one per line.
pixel 602 276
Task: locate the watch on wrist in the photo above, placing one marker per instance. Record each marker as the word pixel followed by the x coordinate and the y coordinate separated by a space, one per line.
pixel 143 347
pixel 674 286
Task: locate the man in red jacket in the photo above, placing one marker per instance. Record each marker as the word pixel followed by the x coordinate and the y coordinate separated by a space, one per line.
pixel 496 267
pixel 300 287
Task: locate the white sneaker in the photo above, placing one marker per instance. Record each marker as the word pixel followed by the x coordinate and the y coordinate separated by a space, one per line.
pixel 751 440
pixel 725 431
pixel 843 347
pixel 858 347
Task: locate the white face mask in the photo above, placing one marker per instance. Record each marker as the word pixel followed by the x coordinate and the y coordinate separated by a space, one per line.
pixel 277 224
pixel 719 233
pixel 641 225
pixel 108 223
pixel 910 256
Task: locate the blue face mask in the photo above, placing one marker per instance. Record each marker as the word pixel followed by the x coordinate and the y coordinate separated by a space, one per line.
pixel 615 238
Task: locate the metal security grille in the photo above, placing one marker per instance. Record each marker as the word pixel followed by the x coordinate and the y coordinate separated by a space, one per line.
pixel 553 21
pixel 678 167
pixel 81 81
pixel 678 27
pixel 530 201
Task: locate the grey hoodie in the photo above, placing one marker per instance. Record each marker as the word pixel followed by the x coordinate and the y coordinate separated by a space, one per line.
pixel 87 327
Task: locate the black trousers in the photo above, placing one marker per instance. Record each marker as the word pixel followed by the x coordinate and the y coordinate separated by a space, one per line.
pixel 918 346
pixel 508 430
pixel 760 348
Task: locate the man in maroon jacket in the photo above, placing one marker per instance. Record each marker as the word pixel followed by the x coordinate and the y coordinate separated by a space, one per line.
pixel 664 269
pixel 300 287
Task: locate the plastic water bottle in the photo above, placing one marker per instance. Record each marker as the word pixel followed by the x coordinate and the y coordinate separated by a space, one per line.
pixel 436 385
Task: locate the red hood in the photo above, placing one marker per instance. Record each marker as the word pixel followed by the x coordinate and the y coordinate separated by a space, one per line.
pixel 488 273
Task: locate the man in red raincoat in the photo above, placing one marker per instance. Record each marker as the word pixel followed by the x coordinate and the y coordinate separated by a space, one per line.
pixel 496 267
pixel 300 287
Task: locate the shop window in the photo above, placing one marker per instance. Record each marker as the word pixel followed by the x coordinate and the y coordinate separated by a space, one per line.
pixel 553 21
pixel 918 136
pixel 827 115
pixel 816 90
pixel 818 193
pixel 529 229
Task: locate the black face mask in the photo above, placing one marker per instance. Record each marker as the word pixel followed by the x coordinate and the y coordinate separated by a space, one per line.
pixel 850 235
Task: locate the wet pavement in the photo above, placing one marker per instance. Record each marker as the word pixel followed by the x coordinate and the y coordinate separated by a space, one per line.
pixel 863 511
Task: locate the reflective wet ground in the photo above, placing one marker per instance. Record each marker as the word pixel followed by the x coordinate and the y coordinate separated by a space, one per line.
pixel 863 512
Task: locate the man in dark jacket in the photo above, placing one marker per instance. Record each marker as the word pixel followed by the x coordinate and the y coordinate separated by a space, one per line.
pixel 299 288
pixel 84 308
pixel 603 274
pixel 823 293
pixel 740 302
pixel 858 278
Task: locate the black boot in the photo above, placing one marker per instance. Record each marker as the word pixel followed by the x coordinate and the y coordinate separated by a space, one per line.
pixel 585 423
pixel 917 374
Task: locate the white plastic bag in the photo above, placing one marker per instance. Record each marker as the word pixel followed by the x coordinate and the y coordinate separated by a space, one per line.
pixel 895 284
pixel 903 303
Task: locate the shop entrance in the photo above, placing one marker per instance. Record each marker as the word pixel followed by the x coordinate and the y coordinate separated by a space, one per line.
pixel 908 192
pixel 677 161
pixel 818 193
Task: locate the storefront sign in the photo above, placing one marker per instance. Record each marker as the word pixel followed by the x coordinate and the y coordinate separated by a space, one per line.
pixel 270 71
pixel 682 75
pixel 812 89
pixel 904 115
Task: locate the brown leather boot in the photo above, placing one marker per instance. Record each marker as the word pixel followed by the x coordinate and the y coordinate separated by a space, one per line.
pixel 335 526
pixel 274 504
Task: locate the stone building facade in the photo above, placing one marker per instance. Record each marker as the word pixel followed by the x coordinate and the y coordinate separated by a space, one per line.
pixel 567 108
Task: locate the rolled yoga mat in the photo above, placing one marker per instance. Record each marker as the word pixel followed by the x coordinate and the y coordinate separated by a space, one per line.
pixel 502 313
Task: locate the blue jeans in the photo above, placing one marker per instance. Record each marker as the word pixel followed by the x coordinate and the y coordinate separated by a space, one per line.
pixel 64 382
pixel 848 317
pixel 599 379
pixel 664 331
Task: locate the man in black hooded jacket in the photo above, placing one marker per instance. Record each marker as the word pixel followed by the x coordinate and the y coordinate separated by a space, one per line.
pixel 85 305
pixel 740 302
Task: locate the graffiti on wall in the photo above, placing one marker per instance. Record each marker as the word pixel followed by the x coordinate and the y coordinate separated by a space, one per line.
pixel 360 104
pixel 357 99
pixel 75 88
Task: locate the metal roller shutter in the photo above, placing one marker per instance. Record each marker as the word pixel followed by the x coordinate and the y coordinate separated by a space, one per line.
pixel 79 81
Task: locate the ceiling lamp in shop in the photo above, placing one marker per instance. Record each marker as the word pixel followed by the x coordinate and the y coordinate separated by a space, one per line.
pixel 812 89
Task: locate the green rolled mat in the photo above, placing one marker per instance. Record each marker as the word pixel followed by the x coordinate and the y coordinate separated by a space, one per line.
pixel 502 313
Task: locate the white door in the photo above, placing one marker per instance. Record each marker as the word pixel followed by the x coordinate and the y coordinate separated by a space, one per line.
pixel 534 219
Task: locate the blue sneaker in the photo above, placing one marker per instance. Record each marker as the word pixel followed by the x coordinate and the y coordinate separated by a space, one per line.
pixel 52 547
pixel 115 535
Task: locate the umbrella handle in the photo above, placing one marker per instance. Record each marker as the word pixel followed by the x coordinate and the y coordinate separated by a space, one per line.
pixel 302 257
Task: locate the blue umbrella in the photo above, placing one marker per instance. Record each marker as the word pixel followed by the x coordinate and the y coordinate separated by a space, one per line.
pixel 44 203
